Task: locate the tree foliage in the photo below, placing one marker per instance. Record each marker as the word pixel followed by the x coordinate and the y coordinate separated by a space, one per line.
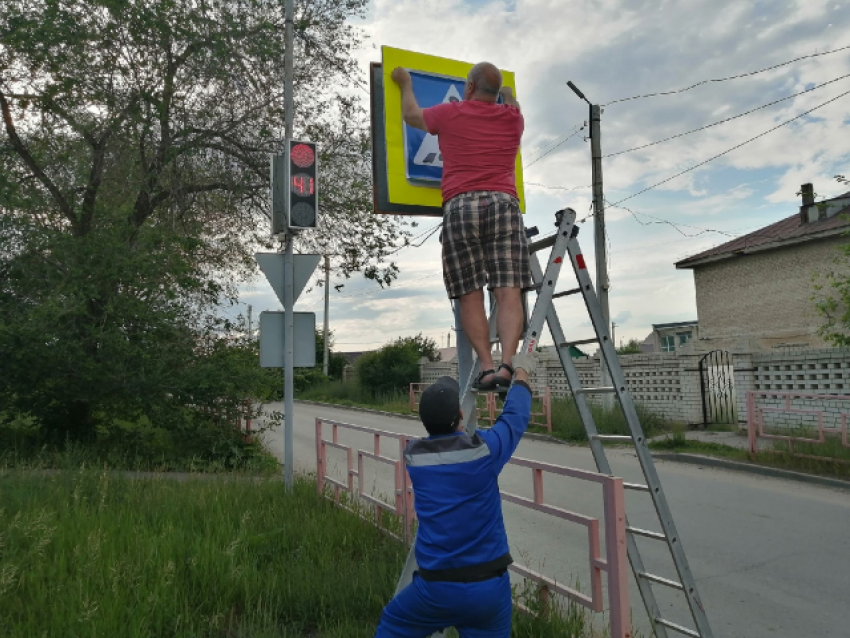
pixel 632 347
pixel 833 295
pixel 134 191
pixel 396 365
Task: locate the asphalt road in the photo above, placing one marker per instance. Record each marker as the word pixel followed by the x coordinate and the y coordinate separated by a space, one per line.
pixel 771 557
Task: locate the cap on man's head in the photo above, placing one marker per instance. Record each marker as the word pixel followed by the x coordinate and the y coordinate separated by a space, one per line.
pixel 439 406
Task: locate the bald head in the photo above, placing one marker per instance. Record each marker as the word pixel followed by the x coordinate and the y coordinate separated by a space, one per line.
pixel 483 82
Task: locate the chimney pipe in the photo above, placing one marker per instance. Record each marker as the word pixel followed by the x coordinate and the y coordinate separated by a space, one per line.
pixel 808 193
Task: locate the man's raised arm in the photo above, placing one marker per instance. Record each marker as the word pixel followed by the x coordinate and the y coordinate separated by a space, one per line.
pixel 410 110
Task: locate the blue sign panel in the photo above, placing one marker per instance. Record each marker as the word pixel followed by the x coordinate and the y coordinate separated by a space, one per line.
pixel 423 160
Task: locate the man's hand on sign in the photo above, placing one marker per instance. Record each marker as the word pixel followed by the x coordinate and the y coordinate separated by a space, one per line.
pixel 401 76
pixel 507 94
pixel 410 110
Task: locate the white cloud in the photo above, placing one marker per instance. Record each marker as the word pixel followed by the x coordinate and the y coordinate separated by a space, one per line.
pixel 613 49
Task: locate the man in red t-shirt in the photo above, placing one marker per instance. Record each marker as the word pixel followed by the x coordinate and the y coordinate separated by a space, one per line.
pixel 483 236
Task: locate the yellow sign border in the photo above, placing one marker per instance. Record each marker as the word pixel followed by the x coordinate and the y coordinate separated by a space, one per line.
pixel 400 190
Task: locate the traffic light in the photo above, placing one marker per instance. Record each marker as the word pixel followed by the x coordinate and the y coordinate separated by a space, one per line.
pixel 295 199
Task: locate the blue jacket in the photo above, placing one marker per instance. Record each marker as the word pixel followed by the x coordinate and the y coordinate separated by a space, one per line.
pixel 456 489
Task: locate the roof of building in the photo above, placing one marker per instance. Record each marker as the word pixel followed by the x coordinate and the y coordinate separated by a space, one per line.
pixel 791 230
pixel 675 324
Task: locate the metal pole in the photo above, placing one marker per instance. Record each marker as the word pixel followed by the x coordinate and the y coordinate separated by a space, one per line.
pixel 601 248
pixel 602 283
pixel 288 286
pixel 327 305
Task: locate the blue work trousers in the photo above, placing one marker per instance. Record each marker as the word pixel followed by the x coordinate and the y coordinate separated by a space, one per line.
pixel 476 610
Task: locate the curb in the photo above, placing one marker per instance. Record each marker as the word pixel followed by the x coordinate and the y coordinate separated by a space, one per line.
pixel 358 409
pixel 698 459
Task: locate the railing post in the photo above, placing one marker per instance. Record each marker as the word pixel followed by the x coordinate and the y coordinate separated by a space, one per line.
pixel 320 458
pixel 751 422
pixel 616 552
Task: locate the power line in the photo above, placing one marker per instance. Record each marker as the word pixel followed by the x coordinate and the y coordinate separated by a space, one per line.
pixel 731 77
pixel 711 159
pixel 428 233
pixel 659 220
pixel 564 141
pixel 560 188
pixel 575 129
pixel 728 119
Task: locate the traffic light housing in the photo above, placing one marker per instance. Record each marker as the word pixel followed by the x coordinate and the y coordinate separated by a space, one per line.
pixel 295 194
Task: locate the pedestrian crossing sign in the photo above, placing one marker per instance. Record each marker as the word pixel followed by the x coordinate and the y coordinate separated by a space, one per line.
pixel 406 162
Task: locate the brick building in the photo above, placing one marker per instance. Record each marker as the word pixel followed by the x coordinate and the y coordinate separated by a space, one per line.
pixel 758 291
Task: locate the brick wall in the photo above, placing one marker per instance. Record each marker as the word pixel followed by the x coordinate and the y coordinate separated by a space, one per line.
pixel 764 299
pixel 668 384
pixel 817 371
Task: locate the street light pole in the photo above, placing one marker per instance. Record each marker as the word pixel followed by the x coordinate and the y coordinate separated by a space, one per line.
pixel 288 285
pixel 600 244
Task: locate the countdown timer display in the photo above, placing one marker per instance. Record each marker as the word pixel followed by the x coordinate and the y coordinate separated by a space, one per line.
pixel 302 174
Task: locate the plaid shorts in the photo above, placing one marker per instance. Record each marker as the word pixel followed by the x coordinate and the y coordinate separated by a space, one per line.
pixel 484 243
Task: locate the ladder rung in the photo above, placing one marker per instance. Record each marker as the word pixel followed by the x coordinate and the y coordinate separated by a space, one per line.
pixel 601 390
pixel 645 532
pixel 662 581
pixel 571 291
pixel 638 487
pixel 579 342
pixel 682 630
pixel 612 437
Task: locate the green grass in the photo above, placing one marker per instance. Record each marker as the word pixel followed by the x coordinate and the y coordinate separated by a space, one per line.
pixel 349 394
pixel 86 553
pixel 776 456
pixel 567 425
pixel 89 554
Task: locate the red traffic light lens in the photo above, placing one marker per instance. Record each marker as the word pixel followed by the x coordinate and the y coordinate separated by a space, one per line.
pixel 302 156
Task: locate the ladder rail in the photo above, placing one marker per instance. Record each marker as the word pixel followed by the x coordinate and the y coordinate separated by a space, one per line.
pixel 644 456
pixel 598 451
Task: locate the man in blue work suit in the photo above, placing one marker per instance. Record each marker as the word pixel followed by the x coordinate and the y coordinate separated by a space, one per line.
pixel 461 543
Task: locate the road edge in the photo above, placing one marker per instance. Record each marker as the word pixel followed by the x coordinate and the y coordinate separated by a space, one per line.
pixel 680 457
pixel 773 472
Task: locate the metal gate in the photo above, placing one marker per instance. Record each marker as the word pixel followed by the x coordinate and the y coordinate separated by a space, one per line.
pixel 717 381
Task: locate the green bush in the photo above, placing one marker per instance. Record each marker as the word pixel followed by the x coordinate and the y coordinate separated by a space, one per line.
pixel 392 368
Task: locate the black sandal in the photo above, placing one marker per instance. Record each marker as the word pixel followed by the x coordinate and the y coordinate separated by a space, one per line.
pixel 485 387
pixel 502 382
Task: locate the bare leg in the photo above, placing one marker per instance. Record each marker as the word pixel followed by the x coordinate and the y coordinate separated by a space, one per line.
pixel 474 322
pixel 509 318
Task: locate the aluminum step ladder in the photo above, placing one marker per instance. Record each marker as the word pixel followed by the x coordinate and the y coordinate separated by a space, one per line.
pixel 565 243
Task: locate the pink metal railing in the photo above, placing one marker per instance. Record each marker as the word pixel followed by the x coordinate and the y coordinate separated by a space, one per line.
pixel 613 562
pixel 490 412
pixel 415 392
pixel 402 505
pixel 756 425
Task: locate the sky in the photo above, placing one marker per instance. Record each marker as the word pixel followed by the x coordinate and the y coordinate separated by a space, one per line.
pixel 615 49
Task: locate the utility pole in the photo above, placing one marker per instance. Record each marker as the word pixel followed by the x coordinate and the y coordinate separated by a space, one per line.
pixel 250 323
pixel 613 340
pixel 327 305
pixel 288 285
pixel 600 245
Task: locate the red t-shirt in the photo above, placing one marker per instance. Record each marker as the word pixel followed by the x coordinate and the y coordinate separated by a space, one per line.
pixel 479 142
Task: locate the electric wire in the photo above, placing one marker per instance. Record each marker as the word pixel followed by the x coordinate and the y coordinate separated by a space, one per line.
pixel 731 77
pixel 562 142
pixel 659 220
pixel 727 151
pixel 728 119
